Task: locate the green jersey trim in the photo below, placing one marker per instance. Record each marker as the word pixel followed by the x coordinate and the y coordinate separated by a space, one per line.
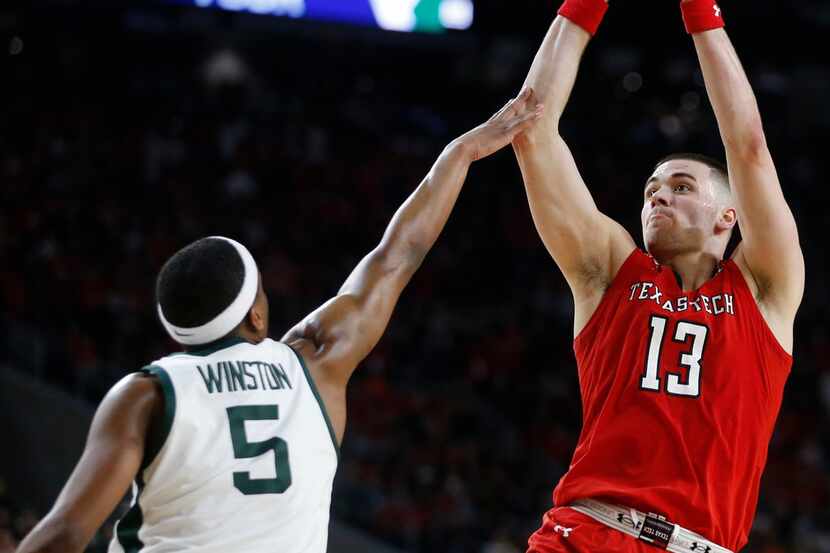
pixel 169 413
pixel 222 343
pixel 316 393
pixel 127 528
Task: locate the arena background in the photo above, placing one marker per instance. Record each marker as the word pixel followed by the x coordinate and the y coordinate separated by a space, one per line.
pixel 131 128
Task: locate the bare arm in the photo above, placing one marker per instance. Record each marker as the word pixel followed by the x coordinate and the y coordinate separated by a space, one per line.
pixel 587 246
pixel 346 328
pixel 110 462
pixel 770 251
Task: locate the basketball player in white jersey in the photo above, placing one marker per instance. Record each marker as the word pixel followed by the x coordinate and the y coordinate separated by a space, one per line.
pixel 232 444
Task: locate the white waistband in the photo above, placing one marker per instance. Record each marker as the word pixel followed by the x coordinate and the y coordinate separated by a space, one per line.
pixel 630 522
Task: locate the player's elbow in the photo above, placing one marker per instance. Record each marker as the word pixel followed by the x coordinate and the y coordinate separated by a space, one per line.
pixel 750 144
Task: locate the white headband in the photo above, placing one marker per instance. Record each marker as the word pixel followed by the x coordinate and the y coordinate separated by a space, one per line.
pixel 231 316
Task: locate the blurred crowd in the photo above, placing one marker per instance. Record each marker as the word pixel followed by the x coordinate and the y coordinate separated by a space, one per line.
pixel 129 145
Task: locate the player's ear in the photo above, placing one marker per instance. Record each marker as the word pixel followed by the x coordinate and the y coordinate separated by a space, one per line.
pixel 256 318
pixel 727 218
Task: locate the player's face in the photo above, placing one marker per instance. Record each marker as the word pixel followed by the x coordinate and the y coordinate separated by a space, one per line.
pixel 680 208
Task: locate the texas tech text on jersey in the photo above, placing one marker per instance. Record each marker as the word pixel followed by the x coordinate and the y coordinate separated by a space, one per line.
pixel 715 305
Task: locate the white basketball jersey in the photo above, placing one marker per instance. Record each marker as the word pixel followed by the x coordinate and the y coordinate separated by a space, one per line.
pixel 248 462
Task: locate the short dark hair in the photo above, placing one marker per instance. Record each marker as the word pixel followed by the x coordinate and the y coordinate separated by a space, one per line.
pixel 715 165
pixel 199 282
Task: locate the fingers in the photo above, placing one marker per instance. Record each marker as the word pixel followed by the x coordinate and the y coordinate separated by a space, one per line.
pixel 517 106
pixel 520 102
pixel 507 108
pixel 528 119
pixel 526 97
pixel 503 127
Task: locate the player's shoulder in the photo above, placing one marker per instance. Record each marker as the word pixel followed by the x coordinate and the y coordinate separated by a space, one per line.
pixel 143 383
pixel 279 352
pixel 300 349
pixel 316 366
pixel 631 261
pixel 131 403
pixel 777 312
pixel 739 260
pixel 279 348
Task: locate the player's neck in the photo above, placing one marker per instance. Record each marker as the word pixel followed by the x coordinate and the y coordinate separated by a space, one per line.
pixel 693 269
pixel 248 335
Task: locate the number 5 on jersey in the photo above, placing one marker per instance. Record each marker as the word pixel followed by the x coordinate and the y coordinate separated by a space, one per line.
pixel 243 449
pixel 690 360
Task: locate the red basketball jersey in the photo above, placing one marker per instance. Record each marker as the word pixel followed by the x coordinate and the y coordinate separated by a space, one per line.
pixel 680 392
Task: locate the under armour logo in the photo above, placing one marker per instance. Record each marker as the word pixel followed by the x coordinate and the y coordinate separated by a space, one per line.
pixel 700 547
pixel 717 10
pixel 626 519
pixel 565 531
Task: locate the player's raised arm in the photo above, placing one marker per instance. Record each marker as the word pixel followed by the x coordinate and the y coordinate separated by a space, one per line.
pixel 770 251
pixel 338 335
pixel 587 246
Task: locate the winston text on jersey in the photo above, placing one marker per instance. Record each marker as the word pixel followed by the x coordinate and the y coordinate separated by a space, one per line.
pixel 240 376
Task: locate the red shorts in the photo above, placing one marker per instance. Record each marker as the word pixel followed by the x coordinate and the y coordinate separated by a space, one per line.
pixel 567 531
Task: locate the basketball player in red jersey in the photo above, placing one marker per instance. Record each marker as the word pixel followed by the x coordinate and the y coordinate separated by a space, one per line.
pixel 682 355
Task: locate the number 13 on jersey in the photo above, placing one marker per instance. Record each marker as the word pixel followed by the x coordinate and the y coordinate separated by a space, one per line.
pixel 690 360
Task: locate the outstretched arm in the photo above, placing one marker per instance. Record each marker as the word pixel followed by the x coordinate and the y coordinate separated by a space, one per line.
pixel 587 246
pixel 770 252
pixel 339 334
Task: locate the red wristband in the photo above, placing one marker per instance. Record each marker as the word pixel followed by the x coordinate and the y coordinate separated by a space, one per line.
pixel 701 15
pixel 585 13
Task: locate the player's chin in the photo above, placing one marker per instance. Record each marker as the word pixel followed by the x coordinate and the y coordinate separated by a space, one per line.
pixel 655 239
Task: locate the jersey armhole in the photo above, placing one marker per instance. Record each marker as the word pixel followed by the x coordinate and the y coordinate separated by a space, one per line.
pixel 161 429
pixel 766 329
pixel 592 320
pixel 319 399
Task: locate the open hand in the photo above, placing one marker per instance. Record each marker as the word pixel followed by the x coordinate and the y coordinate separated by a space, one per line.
pixel 518 115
